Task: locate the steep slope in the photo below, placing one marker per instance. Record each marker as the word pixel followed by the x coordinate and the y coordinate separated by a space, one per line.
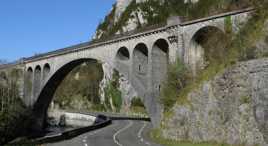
pixel 226 102
pixel 128 15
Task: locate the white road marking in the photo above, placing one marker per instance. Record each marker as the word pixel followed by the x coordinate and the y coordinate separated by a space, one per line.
pixel 85 141
pixel 140 133
pixel 121 130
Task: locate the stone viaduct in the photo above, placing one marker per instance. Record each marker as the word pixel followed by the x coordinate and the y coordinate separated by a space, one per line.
pixel 141 57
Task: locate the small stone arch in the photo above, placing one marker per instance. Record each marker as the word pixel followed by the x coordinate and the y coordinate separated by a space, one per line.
pixel 46 71
pixel 206 44
pixel 29 84
pixel 3 75
pixel 123 54
pixel 37 80
pixel 122 60
pixel 160 61
pixel 140 60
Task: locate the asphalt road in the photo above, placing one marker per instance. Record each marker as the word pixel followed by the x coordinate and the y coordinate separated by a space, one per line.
pixel 119 133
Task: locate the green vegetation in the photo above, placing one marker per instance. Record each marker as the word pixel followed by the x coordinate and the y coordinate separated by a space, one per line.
pixel 156 12
pixel 137 106
pixel 245 99
pixel 178 76
pixel 80 88
pixel 14 116
pixel 156 136
pixel 221 52
pixel 113 97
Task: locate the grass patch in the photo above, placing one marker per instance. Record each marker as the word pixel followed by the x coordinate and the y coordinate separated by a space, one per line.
pixel 155 135
pixel 137 106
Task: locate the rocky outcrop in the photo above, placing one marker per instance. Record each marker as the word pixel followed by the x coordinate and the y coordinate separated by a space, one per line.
pixel 107 77
pixel 128 15
pixel 230 108
pixel 121 6
pixel 128 93
pixel 127 90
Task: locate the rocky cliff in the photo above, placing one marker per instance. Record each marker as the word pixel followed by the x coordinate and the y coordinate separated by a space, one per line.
pixel 230 108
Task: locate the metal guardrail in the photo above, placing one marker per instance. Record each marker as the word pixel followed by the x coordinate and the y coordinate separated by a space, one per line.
pixel 101 123
pixel 68 134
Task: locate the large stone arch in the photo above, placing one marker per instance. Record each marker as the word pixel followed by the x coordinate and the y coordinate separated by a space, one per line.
pixel 160 59
pixel 49 88
pixel 201 45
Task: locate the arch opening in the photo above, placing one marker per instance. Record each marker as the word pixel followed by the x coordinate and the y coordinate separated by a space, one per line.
pixel 140 64
pixel 123 54
pixel 72 87
pixel 46 71
pixel 3 76
pixel 207 46
pixel 140 59
pixel 122 60
pixel 37 80
pixel 29 85
pixel 160 61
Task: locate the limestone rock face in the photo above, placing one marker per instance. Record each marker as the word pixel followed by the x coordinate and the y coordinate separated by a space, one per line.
pixel 107 77
pixel 121 6
pixel 137 17
pixel 127 90
pixel 232 108
pixel 128 93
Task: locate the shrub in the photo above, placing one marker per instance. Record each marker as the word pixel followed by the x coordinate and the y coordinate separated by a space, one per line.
pixel 137 106
pixel 177 78
pixel 136 101
pixel 14 115
pixel 113 93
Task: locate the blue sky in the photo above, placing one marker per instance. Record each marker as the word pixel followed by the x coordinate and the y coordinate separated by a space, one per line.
pixel 28 27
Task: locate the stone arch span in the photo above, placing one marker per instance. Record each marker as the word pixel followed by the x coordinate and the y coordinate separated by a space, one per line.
pixel 49 88
pixel 207 44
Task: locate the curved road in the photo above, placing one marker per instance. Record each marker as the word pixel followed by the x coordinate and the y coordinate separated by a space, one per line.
pixel 119 133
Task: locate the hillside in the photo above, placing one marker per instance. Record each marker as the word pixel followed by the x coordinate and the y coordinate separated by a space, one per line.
pixel 128 15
